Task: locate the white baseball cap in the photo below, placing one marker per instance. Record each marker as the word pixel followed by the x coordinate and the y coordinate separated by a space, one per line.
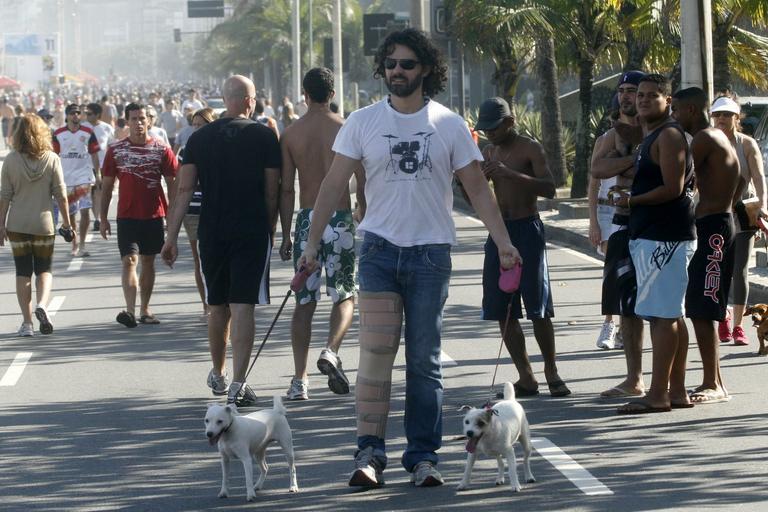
pixel 725 105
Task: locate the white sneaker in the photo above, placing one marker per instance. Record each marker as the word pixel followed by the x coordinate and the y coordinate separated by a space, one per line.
pixel 425 474
pixel 26 330
pixel 607 338
pixel 618 342
pixel 298 390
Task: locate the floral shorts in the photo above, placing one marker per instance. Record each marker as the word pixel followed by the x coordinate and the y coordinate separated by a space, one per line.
pixel 336 255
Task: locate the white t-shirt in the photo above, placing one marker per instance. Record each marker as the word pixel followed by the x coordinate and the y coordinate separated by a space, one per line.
pixel 104 134
pixel 158 133
pixel 75 150
pixel 171 121
pixel 409 161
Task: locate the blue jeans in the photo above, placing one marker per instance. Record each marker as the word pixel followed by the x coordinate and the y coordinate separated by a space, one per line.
pixel 420 275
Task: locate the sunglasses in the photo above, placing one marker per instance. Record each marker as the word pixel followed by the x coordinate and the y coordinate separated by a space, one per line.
pixel 723 114
pixel 75 112
pixel 406 64
pixel 90 114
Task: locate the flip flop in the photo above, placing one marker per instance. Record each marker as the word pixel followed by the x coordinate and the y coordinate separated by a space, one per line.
pixel 682 405
pixel 558 389
pixel 640 407
pixel 127 319
pixel 709 396
pixel 617 392
pixel 148 319
pixel 521 391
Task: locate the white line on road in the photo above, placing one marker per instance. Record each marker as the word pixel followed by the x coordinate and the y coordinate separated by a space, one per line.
pixel 447 360
pixel 13 373
pixel 75 264
pixel 571 469
pixel 577 254
pixel 55 304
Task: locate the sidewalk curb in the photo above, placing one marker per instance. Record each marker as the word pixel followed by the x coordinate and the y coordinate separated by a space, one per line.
pixel 758 292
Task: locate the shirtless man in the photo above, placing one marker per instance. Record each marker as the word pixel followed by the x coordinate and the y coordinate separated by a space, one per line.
pixel 6 118
pixel 518 168
pixel 614 157
pixel 306 147
pixel 709 273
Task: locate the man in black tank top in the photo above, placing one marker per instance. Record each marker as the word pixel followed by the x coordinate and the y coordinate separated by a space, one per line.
pixel 709 274
pixel 663 239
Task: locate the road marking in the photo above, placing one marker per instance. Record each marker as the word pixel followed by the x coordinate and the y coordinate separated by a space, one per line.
pixel 476 221
pixel 13 373
pixel 447 360
pixel 55 304
pixel 571 469
pixel 577 254
pixel 75 264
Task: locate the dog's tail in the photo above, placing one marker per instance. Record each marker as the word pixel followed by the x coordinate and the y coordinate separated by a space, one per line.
pixel 278 406
pixel 509 391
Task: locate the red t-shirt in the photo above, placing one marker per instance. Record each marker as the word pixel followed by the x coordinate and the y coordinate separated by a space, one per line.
pixel 140 168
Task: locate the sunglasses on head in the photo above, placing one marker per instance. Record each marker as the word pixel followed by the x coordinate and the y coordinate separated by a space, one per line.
pixel 406 64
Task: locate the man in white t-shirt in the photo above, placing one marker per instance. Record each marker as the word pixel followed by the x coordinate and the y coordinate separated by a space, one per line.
pixel 78 149
pixel 156 132
pixel 192 103
pixel 104 135
pixel 410 148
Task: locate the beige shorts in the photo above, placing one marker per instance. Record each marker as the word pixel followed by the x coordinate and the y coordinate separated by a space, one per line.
pixel 190 226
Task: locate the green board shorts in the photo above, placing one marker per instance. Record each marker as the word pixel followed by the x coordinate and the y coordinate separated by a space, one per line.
pixel 336 255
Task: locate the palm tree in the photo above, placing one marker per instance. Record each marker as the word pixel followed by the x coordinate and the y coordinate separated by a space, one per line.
pixel 736 49
pixel 503 30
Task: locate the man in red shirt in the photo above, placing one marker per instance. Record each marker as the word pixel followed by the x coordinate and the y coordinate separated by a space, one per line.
pixel 139 162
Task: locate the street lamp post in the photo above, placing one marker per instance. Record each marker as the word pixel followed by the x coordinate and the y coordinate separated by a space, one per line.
pixel 296 64
pixel 338 68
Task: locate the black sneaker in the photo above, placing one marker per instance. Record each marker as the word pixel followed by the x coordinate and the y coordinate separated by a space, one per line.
pixel 96 225
pixel 241 395
pixel 330 364
pixel 46 327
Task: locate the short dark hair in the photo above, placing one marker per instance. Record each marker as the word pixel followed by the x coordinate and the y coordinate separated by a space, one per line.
pixel 95 108
pixel 318 84
pixel 426 52
pixel 662 82
pixel 259 106
pixel 134 106
pixel 72 107
pixel 694 96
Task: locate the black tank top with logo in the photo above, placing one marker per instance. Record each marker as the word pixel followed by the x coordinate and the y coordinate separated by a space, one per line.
pixel 666 222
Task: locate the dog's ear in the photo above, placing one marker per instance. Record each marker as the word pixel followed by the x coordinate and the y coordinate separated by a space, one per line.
pixel 494 412
pixel 464 408
pixel 749 310
pixel 488 413
pixel 230 409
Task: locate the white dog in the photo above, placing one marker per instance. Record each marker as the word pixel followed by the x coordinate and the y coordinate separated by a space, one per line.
pixel 246 438
pixel 494 432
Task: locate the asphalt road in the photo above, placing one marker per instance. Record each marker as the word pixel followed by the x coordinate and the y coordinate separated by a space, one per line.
pixel 105 418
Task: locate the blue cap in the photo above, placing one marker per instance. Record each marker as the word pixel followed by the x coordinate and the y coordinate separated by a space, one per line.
pixel 630 77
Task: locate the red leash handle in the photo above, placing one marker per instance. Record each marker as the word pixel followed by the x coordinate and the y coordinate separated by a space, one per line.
pixel 509 279
pixel 300 279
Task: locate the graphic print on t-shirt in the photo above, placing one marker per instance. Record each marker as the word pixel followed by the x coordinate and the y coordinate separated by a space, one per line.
pixel 408 159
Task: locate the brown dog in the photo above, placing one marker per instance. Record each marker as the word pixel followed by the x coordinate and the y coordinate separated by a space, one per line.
pixel 759 314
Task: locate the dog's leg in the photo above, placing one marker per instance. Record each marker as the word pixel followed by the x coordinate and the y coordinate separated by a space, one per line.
pixel 286 443
pixel 471 458
pixel 261 459
pixel 525 442
pixel 763 349
pixel 224 492
pixel 247 460
pixel 514 483
pixel 500 474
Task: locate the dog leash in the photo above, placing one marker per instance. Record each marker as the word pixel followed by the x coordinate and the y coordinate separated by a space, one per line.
pixel 491 395
pixel 297 283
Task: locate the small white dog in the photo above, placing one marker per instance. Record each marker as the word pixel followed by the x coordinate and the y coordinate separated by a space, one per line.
pixel 246 438
pixel 494 432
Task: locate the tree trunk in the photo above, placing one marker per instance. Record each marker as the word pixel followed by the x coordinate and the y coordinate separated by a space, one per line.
pixel 637 49
pixel 584 135
pixel 722 71
pixel 551 120
pixel 507 74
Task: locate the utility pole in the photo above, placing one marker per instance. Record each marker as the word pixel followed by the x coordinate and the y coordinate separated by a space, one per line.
pixel 311 39
pixel 696 47
pixel 296 36
pixel 338 68
pixel 417 15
